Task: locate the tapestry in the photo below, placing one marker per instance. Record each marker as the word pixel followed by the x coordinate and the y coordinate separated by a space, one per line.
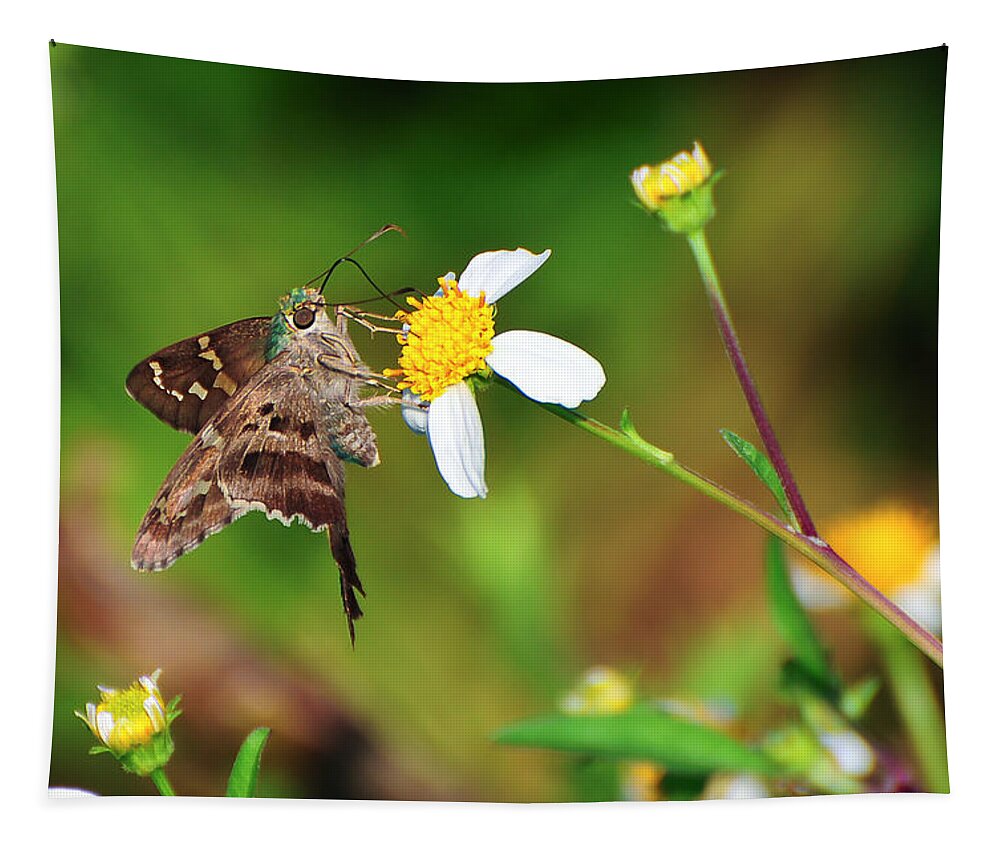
pixel 498 442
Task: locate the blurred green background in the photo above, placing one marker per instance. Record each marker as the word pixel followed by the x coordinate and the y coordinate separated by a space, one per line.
pixel 192 194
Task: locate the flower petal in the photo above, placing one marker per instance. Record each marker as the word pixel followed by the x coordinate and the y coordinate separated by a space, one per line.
pixel 546 368
pixel 495 273
pixel 414 414
pixel 817 591
pixel 921 600
pixel 105 725
pixel 456 436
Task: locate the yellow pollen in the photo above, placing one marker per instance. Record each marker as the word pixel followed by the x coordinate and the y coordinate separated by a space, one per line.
pixel 133 724
pixel 655 185
pixel 448 340
pixel 888 544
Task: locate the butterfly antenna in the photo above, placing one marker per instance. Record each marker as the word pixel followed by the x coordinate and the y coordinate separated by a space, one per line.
pixel 348 259
pixel 382 231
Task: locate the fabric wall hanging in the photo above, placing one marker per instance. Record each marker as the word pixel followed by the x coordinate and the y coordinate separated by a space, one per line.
pixel 610 405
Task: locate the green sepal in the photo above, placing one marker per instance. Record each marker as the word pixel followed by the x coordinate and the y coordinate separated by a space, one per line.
pixel 801 755
pixel 96 749
pixel 173 710
pixel 794 625
pixel 691 211
pixel 481 380
pixel 857 699
pixel 243 778
pixel 762 468
pixel 645 733
pixel 145 759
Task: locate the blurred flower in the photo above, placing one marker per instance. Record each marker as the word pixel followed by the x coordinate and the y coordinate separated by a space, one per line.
pixel 600 691
pixel 448 339
pixel 733 787
pixel 640 781
pixel 895 548
pixel 65 792
pixel 679 190
pixel 605 691
pixel 853 755
pixel 133 724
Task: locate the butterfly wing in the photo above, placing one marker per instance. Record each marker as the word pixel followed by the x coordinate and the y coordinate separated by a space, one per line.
pixel 282 459
pixel 188 508
pixel 187 383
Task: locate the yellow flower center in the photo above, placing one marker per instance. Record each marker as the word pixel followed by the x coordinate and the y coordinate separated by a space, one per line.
pixel 133 724
pixel 448 339
pixel 601 691
pixel 655 185
pixel 888 544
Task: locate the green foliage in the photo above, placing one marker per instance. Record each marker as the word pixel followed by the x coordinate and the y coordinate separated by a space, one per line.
pixel 792 621
pixel 641 733
pixel 761 466
pixel 856 699
pixel 243 778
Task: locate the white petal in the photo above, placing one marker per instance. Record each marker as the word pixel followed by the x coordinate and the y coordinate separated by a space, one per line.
pixel 154 710
pixel 921 600
pixel 105 724
pixel 734 787
pixel 817 591
pixel 456 435
pixel 66 792
pixel 414 414
pixel 851 752
pixel 495 273
pixel 546 368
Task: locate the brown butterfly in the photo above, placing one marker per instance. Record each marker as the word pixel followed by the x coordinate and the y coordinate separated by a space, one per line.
pixel 276 406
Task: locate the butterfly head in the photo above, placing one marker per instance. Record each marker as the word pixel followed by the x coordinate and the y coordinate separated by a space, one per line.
pixel 302 314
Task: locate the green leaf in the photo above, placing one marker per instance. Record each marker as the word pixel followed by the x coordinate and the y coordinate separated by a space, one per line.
pixel 243 778
pixel 856 700
pixel 642 733
pixel 792 621
pixel 762 468
pixel 626 425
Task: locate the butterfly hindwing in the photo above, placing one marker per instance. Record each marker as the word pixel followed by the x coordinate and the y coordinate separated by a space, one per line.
pixel 187 383
pixel 281 460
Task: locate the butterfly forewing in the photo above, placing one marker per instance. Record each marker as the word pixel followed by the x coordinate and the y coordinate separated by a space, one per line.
pixel 187 383
pixel 188 508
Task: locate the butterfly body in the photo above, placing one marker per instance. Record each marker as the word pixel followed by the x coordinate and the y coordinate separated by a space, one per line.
pixel 276 407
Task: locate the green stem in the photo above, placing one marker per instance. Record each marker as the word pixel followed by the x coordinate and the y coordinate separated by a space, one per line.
pixel 813 548
pixel 159 778
pixel 917 702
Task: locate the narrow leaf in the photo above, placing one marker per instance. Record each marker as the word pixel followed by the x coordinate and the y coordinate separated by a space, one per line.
pixel 642 733
pixel 792 621
pixel 243 778
pixel 626 425
pixel 762 468
pixel 856 700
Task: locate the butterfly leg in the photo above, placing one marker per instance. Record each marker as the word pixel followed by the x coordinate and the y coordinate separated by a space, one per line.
pixel 378 401
pixel 364 319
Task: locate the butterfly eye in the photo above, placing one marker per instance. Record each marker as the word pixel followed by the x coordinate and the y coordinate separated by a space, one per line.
pixel 303 317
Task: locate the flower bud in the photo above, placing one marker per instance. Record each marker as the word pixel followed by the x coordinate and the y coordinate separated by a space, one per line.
pixel 133 724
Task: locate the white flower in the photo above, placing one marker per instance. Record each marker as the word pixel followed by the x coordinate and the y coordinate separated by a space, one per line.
pixel 449 337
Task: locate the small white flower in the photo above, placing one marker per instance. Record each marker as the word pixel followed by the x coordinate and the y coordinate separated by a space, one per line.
pixel 449 337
